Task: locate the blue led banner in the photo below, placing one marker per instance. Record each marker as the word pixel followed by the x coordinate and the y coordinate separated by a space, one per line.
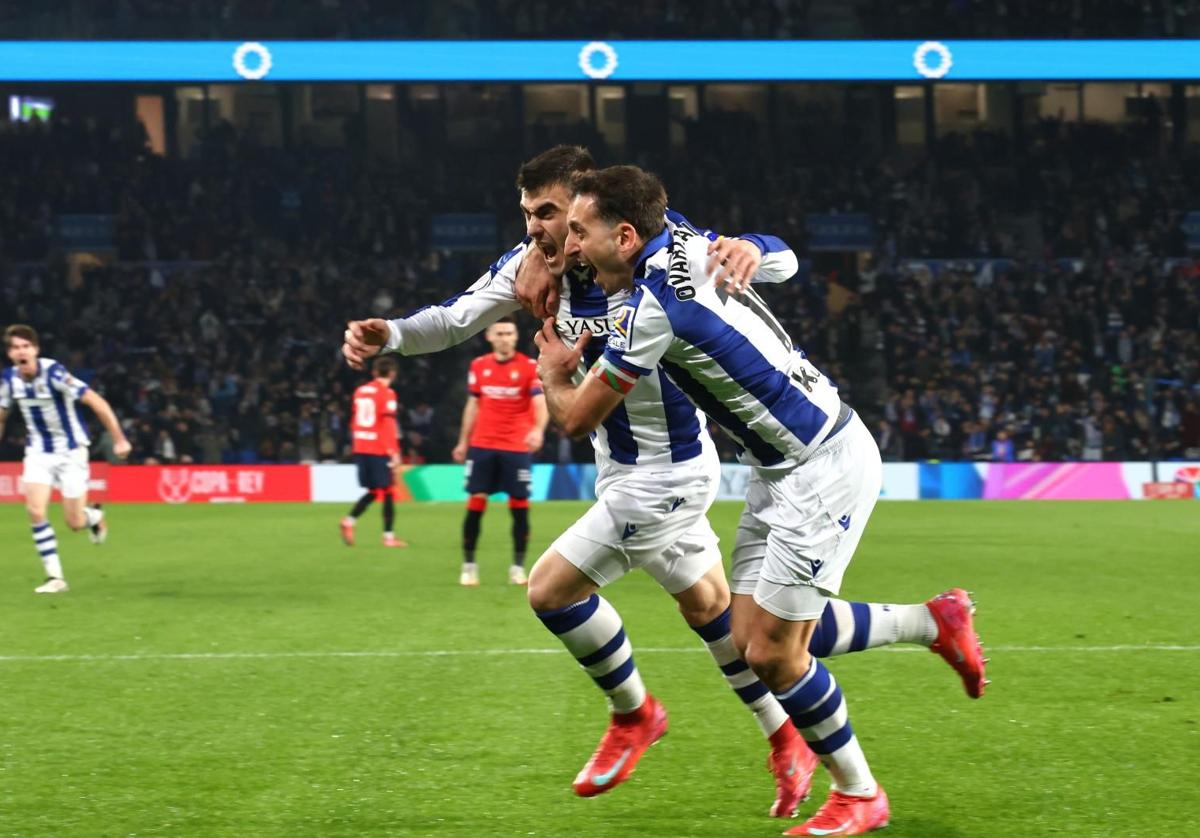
pixel 415 61
pixel 840 231
pixel 463 231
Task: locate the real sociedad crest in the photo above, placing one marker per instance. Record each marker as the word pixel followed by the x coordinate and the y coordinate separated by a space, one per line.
pixel 618 339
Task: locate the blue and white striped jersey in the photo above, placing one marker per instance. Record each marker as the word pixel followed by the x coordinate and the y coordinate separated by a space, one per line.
pixel 49 404
pixel 656 424
pixel 727 353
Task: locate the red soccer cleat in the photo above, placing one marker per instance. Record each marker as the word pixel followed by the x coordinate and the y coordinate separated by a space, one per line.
pixel 347 533
pixel 392 541
pixel 627 738
pixel 957 642
pixel 842 814
pixel 793 763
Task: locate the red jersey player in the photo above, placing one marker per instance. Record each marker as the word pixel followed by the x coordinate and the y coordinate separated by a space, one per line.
pixel 376 442
pixel 502 424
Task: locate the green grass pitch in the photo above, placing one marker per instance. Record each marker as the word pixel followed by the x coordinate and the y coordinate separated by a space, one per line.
pixel 236 671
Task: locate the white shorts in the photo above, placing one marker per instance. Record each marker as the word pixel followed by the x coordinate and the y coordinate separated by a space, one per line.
pixel 66 471
pixel 653 520
pixel 800 528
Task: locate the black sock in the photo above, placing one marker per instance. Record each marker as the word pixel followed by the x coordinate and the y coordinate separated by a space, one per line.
pixel 520 534
pixel 471 526
pixel 363 503
pixel 389 512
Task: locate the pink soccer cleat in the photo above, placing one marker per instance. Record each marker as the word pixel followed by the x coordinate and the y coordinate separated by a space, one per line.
pixel 627 738
pixel 842 814
pixel 793 763
pixel 957 642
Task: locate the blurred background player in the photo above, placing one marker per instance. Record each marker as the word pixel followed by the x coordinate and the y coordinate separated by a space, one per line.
pixel 56 447
pixel 376 445
pixel 502 425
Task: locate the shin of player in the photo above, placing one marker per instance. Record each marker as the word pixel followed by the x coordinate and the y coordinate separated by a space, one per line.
pixel 376 447
pixel 56 451
pixel 502 426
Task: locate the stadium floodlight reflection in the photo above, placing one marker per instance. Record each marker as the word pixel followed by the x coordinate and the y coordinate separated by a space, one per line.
pixel 450 61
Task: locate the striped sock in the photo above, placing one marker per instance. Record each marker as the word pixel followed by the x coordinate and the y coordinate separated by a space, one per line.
pixel 592 632
pixel 855 626
pixel 819 712
pixel 753 692
pixel 47 547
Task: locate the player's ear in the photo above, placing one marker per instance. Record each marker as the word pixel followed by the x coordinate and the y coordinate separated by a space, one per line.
pixel 627 238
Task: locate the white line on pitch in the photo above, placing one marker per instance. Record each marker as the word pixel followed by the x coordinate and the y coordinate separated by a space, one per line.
pixel 446 653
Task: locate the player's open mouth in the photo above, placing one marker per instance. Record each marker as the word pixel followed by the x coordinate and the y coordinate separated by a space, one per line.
pixel 548 250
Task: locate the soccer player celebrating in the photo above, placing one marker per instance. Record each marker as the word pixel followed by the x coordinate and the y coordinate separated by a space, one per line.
pixel 375 438
pixel 56 448
pixel 816 469
pixel 656 461
pixel 503 423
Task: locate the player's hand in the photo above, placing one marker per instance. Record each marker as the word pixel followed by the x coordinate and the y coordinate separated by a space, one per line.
pixel 557 362
pixel 121 448
pixel 393 460
pixel 732 263
pixel 534 440
pixel 459 454
pixel 536 288
pixel 363 340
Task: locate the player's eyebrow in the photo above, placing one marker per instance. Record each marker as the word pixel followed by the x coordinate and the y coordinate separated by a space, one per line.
pixel 541 208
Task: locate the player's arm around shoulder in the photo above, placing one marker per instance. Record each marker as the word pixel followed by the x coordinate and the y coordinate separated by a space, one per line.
pixel 735 263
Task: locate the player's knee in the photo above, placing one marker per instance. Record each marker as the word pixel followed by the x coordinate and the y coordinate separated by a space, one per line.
pixel 37 514
pixel 76 522
pixel 703 611
pixel 705 601
pixel 546 590
pixel 543 595
pixel 766 660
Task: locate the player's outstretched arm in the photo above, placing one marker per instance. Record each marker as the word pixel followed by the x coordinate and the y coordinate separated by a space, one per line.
pixel 108 419
pixel 578 410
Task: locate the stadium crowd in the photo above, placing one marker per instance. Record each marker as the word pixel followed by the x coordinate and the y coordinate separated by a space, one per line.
pixel 214 332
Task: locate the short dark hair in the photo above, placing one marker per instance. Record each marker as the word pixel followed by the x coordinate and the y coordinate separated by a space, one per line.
pixel 626 193
pixel 506 319
pixel 20 330
pixel 385 366
pixel 553 166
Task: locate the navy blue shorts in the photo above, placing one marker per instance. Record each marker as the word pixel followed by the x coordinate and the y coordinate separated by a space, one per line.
pixel 374 471
pixel 490 470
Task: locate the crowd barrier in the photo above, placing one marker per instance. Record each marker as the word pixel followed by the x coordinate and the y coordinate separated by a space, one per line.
pixel 901 481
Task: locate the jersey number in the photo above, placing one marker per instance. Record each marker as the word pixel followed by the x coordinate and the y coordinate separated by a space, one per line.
pixel 364 413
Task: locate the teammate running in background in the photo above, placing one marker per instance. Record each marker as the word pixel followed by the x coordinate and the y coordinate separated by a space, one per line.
pixel 376 450
pixel 56 448
pixel 503 423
